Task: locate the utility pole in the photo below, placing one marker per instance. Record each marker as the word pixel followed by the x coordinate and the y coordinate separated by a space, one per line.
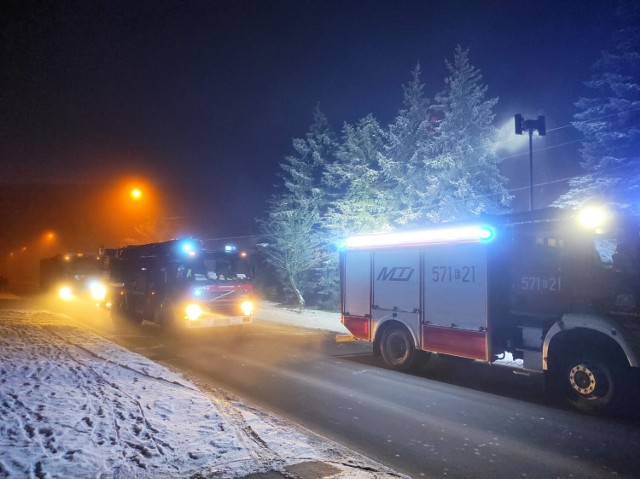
pixel 530 126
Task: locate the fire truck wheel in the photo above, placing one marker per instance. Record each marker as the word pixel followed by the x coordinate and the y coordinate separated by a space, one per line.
pixel 118 320
pixel 119 313
pixel 396 348
pixel 168 321
pixel 121 317
pixel 591 384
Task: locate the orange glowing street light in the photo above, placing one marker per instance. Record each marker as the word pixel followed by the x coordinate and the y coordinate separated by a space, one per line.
pixel 136 194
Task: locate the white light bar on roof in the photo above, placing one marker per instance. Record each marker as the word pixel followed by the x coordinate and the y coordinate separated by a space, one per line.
pixel 431 236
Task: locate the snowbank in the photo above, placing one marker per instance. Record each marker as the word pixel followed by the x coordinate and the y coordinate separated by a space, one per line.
pixel 76 405
pixel 309 318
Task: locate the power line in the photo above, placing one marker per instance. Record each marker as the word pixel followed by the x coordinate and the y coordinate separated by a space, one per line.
pixel 569 125
pixel 550 147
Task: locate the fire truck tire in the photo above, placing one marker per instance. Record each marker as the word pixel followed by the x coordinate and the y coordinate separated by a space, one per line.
pixel 590 383
pixel 118 318
pixel 168 321
pixel 397 350
pixel 121 317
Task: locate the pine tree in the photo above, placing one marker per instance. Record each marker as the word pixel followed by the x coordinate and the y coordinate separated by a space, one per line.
pixel 293 241
pixel 461 178
pixel 609 119
pixel 302 171
pixel 402 162
pixel 362 199
pixel 291 244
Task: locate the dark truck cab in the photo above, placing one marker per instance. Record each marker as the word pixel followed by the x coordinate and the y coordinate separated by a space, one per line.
pixel 74 276
pixel 174 285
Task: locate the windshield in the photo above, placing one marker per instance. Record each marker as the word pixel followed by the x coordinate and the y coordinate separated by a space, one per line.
pixel 225 266
pixel 83 266
pixel 192 271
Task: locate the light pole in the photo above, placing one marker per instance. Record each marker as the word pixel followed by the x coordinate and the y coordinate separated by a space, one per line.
pixel 530 126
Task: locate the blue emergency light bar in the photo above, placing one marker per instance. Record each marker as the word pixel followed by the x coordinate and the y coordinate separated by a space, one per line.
pixel 456 234
pixel 188 247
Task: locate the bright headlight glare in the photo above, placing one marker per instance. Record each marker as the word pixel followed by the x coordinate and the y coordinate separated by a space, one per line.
pixel 65 293
pixel 247 308
pixel 98 291
pixel 194 311
pixel 592 217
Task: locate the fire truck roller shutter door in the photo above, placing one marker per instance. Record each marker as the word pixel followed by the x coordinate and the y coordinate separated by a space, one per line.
pixel 356 292
pixel 357 301
pixel 455 300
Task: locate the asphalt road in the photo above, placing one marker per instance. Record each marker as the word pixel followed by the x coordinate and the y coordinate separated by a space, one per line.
pixel 452 419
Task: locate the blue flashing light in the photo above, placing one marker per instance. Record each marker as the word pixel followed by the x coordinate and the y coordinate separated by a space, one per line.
pixel 198 292
pixel 229 248
pixel 188 248
pixel 487 233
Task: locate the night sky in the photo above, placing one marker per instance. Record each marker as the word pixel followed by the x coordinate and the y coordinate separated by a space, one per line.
pixel 202 98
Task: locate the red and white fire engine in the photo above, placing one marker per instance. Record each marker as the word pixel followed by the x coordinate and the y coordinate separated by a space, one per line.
pixel 179 285
pixel 560 292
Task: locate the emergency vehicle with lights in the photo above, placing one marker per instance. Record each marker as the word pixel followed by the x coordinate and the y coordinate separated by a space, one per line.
pixel 179 285
pixel 558 291
pixel 74 276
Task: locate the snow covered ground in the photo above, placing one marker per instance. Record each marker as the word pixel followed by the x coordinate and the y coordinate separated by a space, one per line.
pixel 74 405
pixel 308 318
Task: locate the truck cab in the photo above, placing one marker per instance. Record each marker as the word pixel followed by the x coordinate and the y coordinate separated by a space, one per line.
pixel 74 277
pixel 176 286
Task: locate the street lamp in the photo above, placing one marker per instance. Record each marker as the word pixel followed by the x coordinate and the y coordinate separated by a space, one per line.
pixel 530 126
pixel 136 194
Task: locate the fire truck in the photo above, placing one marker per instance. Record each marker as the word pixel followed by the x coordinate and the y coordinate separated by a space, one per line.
pixel 74 276
pixel 178 285
pixel 557 292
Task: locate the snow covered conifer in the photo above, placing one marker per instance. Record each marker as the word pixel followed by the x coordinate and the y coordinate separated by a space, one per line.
pixel 361 201
pixel 293 243
pixel 402 161
pixel 461 178
pixel 609 119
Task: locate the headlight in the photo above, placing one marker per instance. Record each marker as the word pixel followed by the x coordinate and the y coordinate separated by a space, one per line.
pixel 65 293
pixel 247 308
pixel 98 291
pixel 194 311
pixel 593 217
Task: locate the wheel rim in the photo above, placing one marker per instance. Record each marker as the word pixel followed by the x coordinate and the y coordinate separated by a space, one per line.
pixel 397 347
pixel 588 381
